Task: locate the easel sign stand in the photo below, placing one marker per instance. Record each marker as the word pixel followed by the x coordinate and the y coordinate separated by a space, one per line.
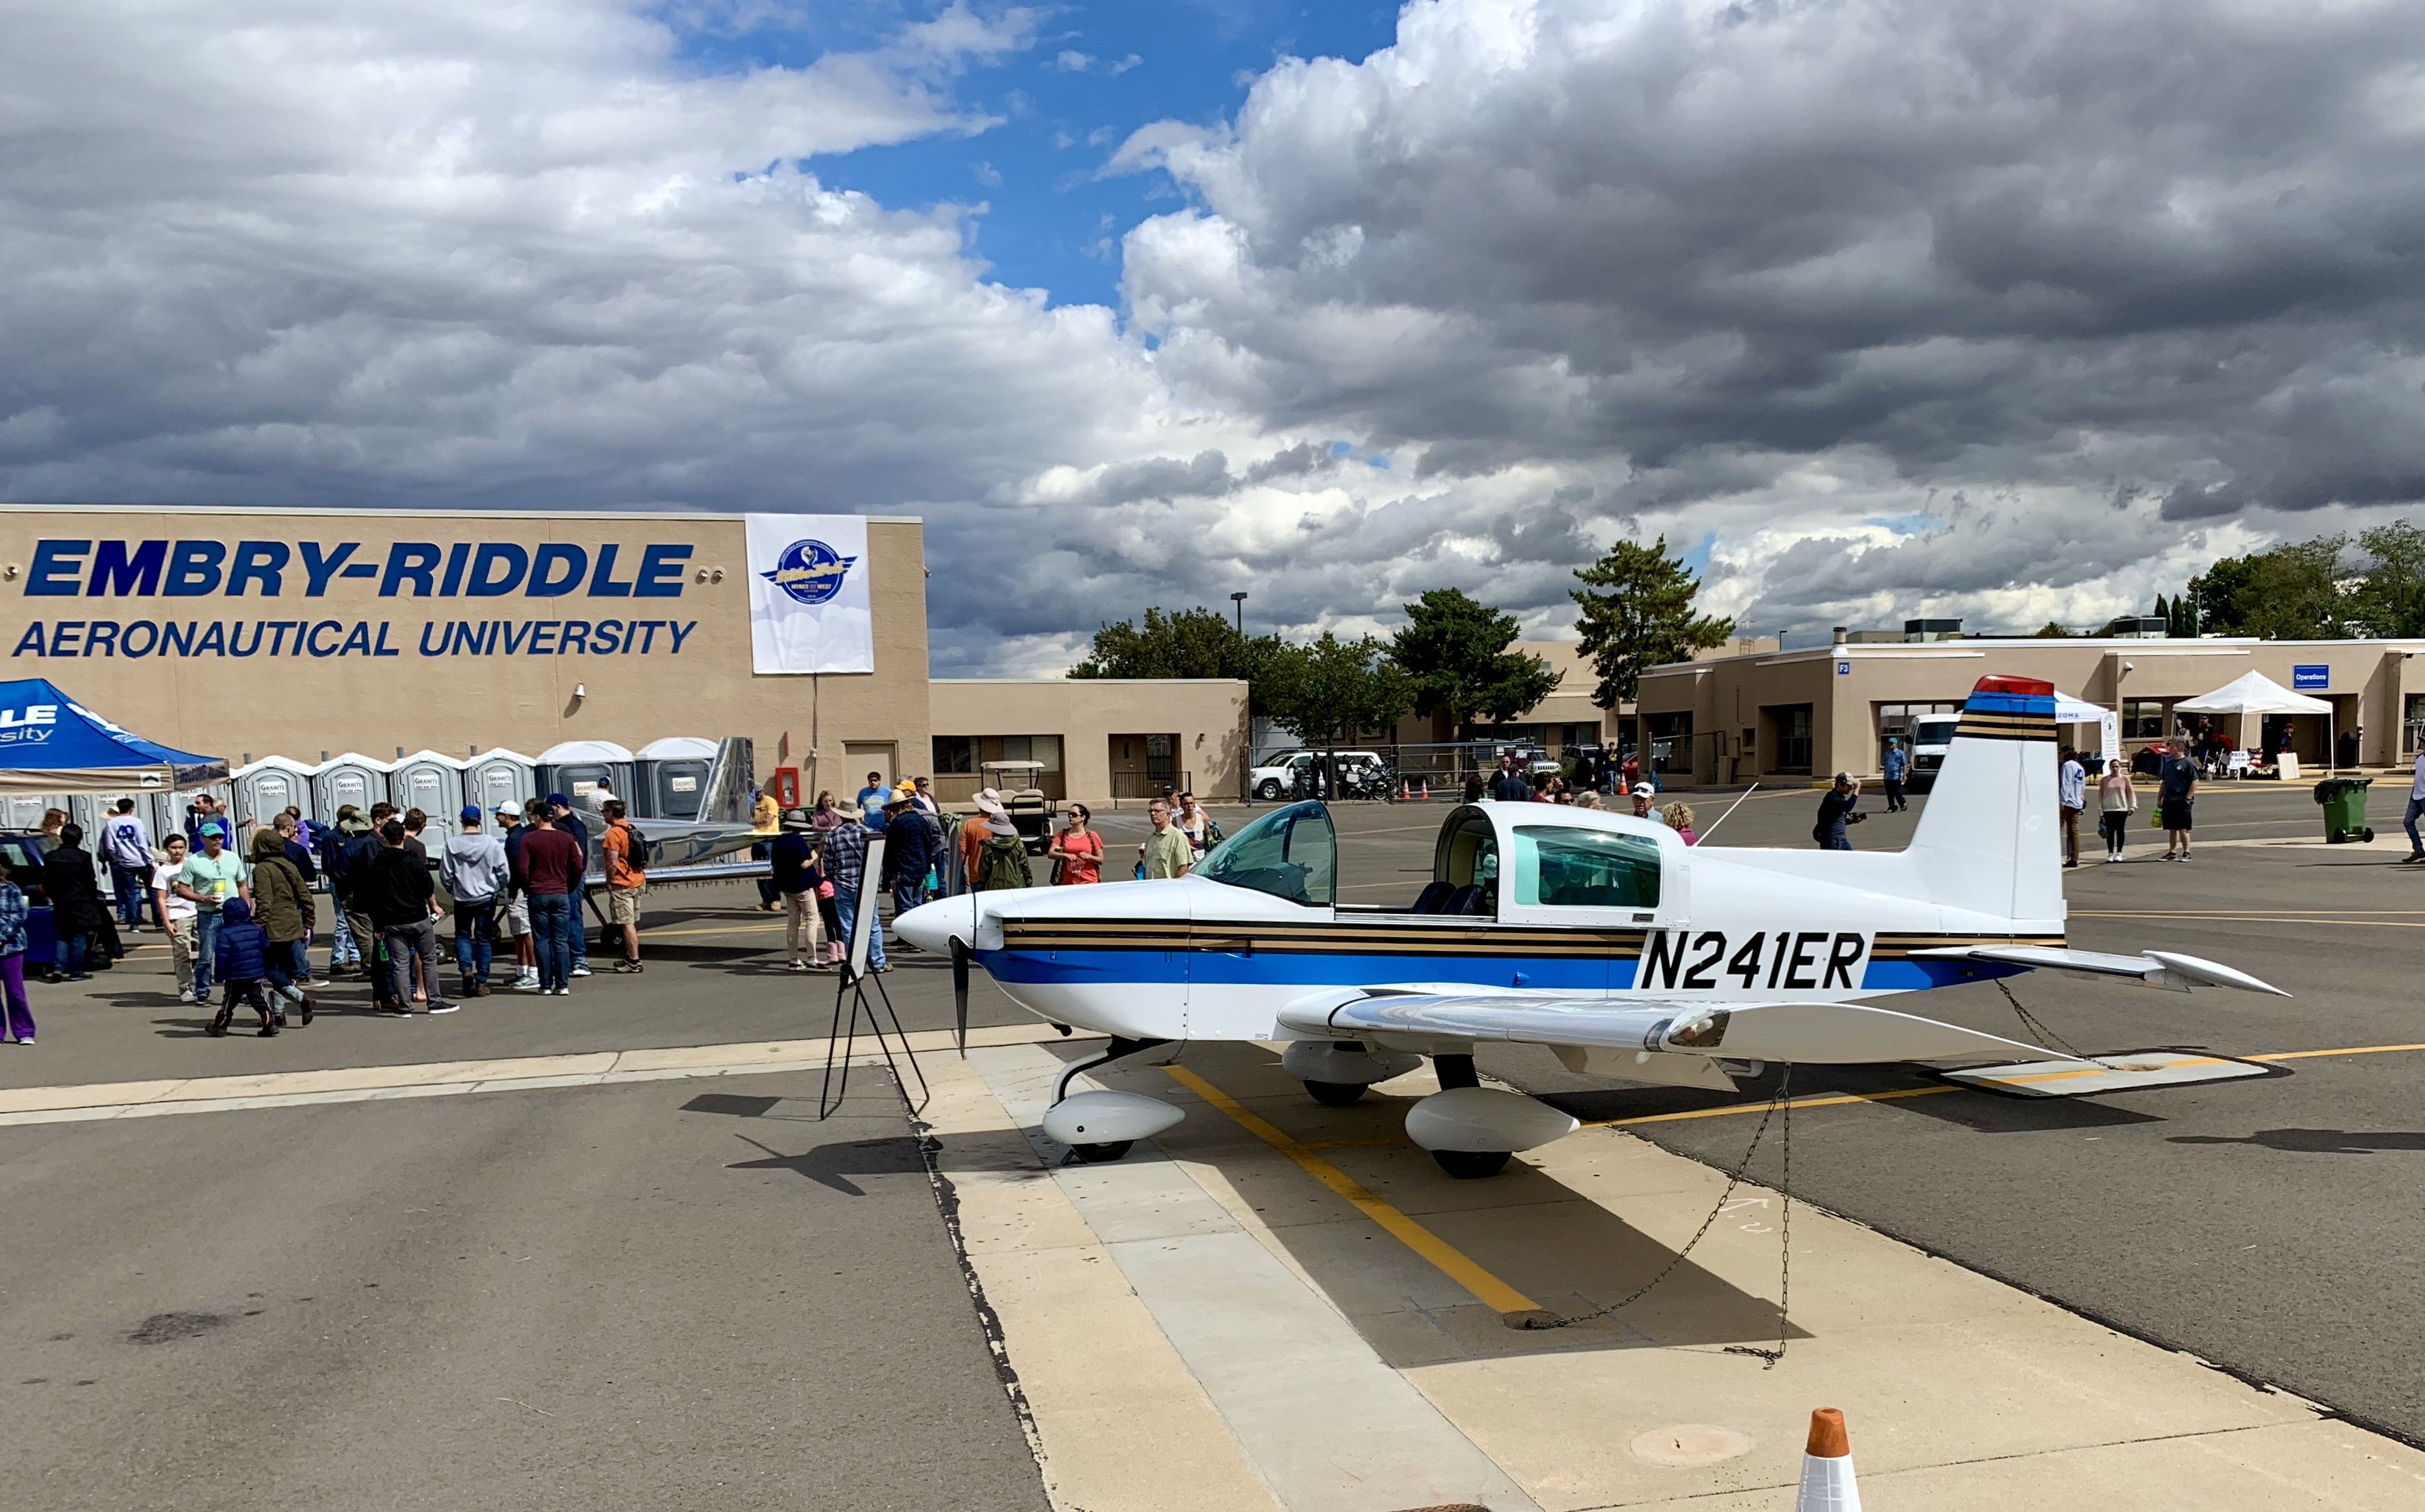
pixel 852 986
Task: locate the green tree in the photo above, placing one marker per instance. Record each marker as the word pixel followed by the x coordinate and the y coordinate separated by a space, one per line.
pixel 2052 631
pixel 1636 606
pixel 2163 611
pixel 1330 689
pixel 1183 643
pixel 2391 600
pixel 2289 592
pixel 1453 651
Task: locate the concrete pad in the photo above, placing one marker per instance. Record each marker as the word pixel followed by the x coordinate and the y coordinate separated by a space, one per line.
pixel 95 1095
pixel 1120 1422
pixel 2311 1467
pixel 1325 1423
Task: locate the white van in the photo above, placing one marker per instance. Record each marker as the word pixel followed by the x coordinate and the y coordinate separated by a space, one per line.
pixel 1930 736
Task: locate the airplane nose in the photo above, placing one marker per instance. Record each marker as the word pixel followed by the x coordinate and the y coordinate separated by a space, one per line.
pixel 930 926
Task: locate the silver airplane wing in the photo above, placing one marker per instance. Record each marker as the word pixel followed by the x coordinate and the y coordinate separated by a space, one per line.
pixel 1842 1034
pixel 2157 968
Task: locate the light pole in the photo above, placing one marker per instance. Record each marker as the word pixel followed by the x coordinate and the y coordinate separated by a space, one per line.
pixel 1239 599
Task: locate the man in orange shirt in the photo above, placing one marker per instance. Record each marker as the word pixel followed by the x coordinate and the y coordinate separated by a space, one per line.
pixel 972 833
pixel 625 883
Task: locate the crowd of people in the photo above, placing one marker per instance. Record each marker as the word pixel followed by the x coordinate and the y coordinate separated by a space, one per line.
pixel 240 923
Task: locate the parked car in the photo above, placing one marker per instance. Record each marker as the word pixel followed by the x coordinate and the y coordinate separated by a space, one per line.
pixel 1023 797
pixel 23 850
pixel 1361 774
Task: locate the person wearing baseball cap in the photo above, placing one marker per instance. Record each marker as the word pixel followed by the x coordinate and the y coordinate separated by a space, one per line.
pixel 475 869
pixel 513 911
pixel 1642 793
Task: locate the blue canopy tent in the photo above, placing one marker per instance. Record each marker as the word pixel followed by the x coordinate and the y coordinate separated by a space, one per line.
pixel 49 743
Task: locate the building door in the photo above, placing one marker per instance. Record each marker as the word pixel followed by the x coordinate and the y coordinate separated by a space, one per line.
pixel 1789 726
pixel 861 757
pixel 1143 764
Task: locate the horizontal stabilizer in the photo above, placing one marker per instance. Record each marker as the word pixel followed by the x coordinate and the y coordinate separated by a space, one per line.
pixel 2155 968
pixel 1839 1034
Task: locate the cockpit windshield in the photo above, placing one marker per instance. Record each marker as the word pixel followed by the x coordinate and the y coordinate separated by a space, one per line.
pixel 1290 853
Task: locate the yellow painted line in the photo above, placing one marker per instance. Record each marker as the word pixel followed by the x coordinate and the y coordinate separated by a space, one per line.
pixel 2316 1054
pixel 1831 1101
pixel 1848 1099
pixel 1444 1256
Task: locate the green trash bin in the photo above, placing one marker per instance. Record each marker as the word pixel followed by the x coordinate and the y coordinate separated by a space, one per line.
pixel 2343 799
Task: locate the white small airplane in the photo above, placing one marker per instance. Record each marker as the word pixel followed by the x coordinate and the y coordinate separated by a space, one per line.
pixel 1600 935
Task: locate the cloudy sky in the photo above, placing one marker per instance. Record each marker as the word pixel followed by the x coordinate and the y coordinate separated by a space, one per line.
pixel 2010 309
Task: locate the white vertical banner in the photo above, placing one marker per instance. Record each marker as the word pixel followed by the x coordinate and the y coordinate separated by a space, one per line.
pixel 809 610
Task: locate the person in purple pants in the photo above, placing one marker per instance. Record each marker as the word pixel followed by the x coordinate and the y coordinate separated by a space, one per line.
pixel 12 959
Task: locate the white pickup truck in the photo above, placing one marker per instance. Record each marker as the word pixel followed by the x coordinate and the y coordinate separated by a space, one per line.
pixel 1277 778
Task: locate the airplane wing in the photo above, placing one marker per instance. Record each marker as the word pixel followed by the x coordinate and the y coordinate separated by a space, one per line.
pixel 2157 968
pixel 1843 1034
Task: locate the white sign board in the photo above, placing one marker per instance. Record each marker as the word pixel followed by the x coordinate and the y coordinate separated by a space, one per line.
pixel 809 610
pixel 862 917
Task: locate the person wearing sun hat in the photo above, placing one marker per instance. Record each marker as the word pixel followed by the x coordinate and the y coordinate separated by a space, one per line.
pixel 910 848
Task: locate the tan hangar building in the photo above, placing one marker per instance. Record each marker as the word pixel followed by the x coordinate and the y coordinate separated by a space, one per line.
pixel 1811 713
pixel 251 633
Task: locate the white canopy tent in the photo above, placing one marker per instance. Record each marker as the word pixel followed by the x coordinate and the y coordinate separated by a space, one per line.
pixel 2071 711
pixel 2255 692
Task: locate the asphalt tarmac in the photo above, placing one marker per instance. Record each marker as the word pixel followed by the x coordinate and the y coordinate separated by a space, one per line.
pixel 634 1297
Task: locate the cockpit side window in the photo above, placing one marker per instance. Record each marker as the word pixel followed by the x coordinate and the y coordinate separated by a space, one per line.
pixel 1290 853
pixel 1562 868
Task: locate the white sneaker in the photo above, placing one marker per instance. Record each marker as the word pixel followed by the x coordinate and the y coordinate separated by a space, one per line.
pixel 564 991
pixel 577 971
pixel 527 984
pixel 187 996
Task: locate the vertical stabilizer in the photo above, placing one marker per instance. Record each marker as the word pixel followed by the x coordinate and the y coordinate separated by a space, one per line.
pixel 1990 839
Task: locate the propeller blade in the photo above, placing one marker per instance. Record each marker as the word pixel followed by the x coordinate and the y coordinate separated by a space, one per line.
pixel 960 993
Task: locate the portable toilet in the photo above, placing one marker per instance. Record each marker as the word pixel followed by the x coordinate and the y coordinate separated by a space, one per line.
pixel 576 767
pixel 673 778
pixel 268 787
pixel 353 777
pixel 431 781
pixel 25 811
pixel 500 777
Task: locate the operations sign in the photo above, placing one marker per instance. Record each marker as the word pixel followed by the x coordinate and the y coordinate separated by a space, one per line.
pixel 809 610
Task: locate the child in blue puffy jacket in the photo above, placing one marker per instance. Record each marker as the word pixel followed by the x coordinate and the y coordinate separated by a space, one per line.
pixel 242 964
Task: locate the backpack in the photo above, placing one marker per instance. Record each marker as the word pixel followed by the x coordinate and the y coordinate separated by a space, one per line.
pixel 636 853
pixel 1001 862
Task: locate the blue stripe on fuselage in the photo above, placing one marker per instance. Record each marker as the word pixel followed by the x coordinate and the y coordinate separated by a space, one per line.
pixel 1276 969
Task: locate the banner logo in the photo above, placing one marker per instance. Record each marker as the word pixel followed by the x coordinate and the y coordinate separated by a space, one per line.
pixel 809 571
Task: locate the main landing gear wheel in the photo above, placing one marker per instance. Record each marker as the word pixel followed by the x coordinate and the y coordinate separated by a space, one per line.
pixel 1098 1155
pixel 1471 1164
pixel 1336 1094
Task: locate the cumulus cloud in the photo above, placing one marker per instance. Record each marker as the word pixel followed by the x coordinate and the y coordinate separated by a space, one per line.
pixel 2017 311
pixel 1765 268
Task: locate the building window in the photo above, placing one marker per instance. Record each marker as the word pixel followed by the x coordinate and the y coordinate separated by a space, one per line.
pixel 2145 719
pixel 1792 722
pixel 2413 726
pixel 1896 718
pixel 955 753
pixel 1045 749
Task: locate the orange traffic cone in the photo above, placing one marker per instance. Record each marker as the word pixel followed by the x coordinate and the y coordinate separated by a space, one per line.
pixel 1828 1467
pixel 1404 793
pixel 1428 790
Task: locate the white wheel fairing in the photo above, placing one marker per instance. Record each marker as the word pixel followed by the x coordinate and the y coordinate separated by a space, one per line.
pixel 1108 1117
pixel 1481 1119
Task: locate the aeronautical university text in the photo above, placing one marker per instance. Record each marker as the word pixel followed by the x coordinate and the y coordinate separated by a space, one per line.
pixel 139 638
